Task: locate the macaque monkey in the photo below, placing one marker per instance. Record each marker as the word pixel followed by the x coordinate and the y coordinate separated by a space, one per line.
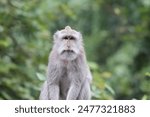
pixel 68 75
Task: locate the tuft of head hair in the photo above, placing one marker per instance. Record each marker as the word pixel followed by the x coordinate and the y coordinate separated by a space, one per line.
pixel 68 28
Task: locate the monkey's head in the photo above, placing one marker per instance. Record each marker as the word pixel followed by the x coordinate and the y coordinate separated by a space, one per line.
pixel 68 43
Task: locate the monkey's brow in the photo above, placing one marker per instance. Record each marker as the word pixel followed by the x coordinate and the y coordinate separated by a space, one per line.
pixel 68 37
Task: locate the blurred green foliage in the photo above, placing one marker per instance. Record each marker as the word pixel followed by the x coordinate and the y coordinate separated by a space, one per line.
pixel 116 36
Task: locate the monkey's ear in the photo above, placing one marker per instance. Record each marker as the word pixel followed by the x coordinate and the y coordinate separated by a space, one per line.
pixel 55 36
pixel 80 35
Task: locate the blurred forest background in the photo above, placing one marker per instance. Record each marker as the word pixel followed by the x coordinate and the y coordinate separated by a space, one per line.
pixel 116 36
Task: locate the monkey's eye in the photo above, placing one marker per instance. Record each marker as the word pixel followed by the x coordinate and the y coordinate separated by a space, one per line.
pixel 71 38
pixel 65 37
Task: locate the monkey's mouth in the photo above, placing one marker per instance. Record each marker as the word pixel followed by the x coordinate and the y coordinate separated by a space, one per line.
pixel 67 51
pixel 68 55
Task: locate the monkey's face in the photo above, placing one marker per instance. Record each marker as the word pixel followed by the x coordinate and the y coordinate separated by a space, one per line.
pixel 68 43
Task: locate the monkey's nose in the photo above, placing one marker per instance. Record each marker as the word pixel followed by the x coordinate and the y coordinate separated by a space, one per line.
pixel 68 44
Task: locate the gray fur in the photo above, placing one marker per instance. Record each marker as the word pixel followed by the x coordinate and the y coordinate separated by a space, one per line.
pixel 68 75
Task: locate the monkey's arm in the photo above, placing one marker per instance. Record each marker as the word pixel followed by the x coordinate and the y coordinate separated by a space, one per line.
pixel 44 92
pixel 53 91
pixel 50 89
pixel 49 92
pixel 53 81
pixel 85 93
pixel 89 74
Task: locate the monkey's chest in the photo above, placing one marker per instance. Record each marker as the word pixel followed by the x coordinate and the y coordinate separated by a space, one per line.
pixel 64 84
